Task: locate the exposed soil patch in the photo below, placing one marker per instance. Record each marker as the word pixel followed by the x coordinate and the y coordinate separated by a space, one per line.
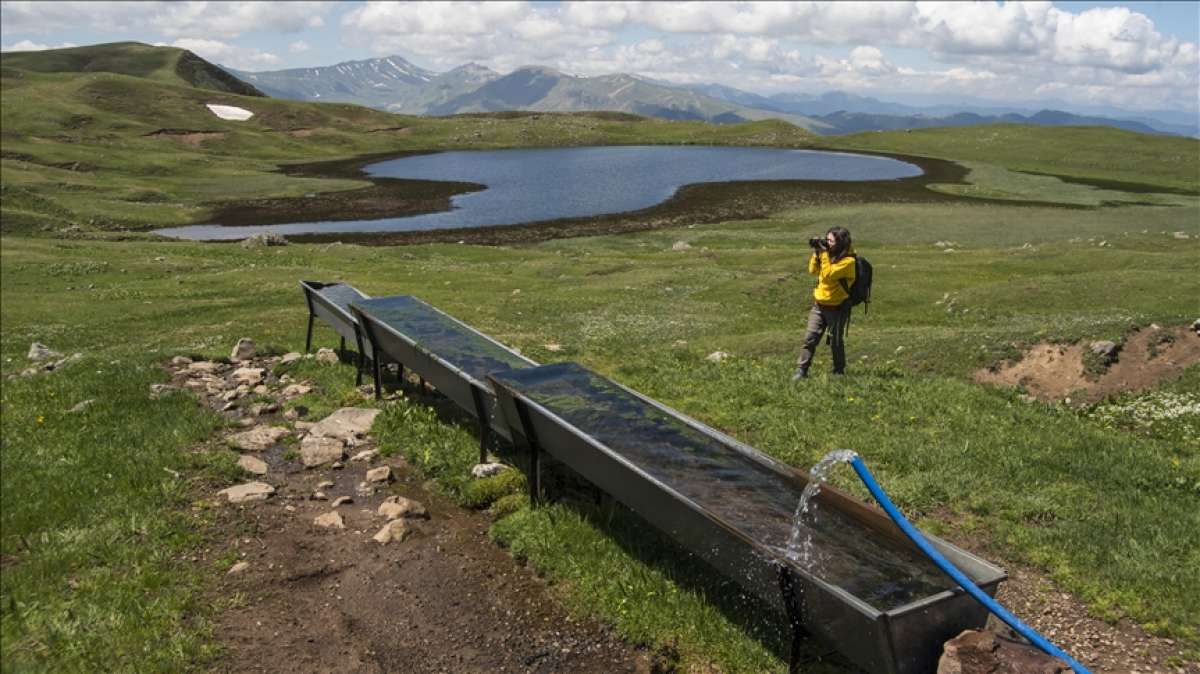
pixel 187 136
pixel 700 203
pixel 300 133
pixel 1055 371
pixel 308 598
pixel 397 130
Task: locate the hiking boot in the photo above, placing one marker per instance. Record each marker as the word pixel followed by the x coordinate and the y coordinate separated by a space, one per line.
pixel 800 374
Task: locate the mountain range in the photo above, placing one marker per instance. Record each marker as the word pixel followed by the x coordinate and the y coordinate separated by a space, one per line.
pixel 394 84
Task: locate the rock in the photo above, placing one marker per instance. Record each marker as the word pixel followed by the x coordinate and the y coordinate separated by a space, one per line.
pixel 395 530
pixel 238 568
pixel 258 439
pixel 262 389
pixel 380 474
pixel 81 406
pixel 290 357
pixel 1181 235
pixel 39 352
pixel 1105 349
pixel 250 491
pixel 316 451
pixel 295 390
pixel 345 424
pixel 203 367
pixel 716 356
pixel 247 376
pixel 319 496
pixel 482 470
pixel 304 426
pixel 159 390
pixel 367 455
pixel 396 507
pixel 243 350
pixel 1196 326
pixel 260 409
pixel 982 652
pixel 340 501
pixel 263 240
pixel 294 413
pixel 180 362
pixel 554 346
pixel 330 520
pixel 325 484
pixel 681 245
pixel 327 356
pixel 252 464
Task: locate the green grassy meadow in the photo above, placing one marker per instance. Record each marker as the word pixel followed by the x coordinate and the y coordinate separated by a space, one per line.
pixel 102 509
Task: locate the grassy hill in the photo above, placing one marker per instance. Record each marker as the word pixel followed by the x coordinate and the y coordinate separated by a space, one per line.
pixel 163 64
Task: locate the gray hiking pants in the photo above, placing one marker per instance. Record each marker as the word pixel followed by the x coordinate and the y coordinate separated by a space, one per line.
pixel 820 319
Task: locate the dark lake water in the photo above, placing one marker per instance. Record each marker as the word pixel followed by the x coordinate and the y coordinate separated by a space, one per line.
pixel 546 184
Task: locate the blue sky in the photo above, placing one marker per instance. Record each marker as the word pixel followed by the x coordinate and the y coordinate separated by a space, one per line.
pixel 1133 55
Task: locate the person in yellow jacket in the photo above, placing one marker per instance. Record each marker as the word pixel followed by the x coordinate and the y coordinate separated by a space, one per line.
pixel 832 262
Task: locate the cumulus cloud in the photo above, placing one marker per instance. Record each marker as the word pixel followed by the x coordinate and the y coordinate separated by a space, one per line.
pixel 173 19
pixel 299 46
pixel 29 45
pixel 242 58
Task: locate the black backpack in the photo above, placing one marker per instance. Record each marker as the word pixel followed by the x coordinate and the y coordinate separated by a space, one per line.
pixel 860 292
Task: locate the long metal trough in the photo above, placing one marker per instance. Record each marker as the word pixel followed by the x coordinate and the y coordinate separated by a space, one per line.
pixel 443 350
pixel 861 587
pixel 330 302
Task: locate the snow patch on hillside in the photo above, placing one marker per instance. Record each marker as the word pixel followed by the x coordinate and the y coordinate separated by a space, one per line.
pixel 230 112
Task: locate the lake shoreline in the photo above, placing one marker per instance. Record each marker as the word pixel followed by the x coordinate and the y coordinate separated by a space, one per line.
pixel 691 204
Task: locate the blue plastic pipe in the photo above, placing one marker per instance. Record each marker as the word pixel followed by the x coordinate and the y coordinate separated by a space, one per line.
pixel 958 576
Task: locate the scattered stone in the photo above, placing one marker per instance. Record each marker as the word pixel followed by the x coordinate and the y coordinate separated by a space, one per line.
pixel 258 439
pixel 1196 326
pixel 247 376
pixel 341 501
pixel 238 568
pixel 229 406
pixel 394 530
pixel 367 455
pixel 346 424
pixel 39 352
pixel 263 240
pixel 337 465
pixel 295 390
pixel 250 491
pixel 1181 235
pixel 159 390
pixel 330 520
pixel 554 346
pixel 681 245
pixel 316 451
pixel 319 496
pixel 243 350
pixel 325 484
pixel 260 409
pixel 81 406
pixel 380 474
pixel 180 361
pixel 262 389
pixel 290 357
pixel 482 470
pixel 327 356
pixel 304 426
pixel 396 507
pixel 943 244
pixel 252 464
pixel 203 367
pixel 982 652
pixel 716 356
pixel 245 423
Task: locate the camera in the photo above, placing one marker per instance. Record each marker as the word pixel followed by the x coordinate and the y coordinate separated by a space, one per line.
pixel 818 243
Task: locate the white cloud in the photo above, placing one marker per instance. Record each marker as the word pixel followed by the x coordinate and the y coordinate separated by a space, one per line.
pixel 28 45
pixel 173 19
pixel 242 58
pixel 299 46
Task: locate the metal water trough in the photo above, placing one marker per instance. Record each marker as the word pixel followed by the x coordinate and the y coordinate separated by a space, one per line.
pixel 331 303
pixel 443 350
pixel 572 423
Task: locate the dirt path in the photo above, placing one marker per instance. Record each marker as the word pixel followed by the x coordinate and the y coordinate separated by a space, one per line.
pixel 447 599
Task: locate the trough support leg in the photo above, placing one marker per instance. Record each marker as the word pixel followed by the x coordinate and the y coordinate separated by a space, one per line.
pixel 308 338
pixel 485 428
pixel 535 458
pixel 361 360
pixel 375 371
pixel 343 348
pixel 793 605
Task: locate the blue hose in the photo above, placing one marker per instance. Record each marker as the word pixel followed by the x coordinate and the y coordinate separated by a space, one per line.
pixel 958 576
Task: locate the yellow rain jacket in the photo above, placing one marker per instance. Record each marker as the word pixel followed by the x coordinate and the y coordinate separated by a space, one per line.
pixel 829 290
